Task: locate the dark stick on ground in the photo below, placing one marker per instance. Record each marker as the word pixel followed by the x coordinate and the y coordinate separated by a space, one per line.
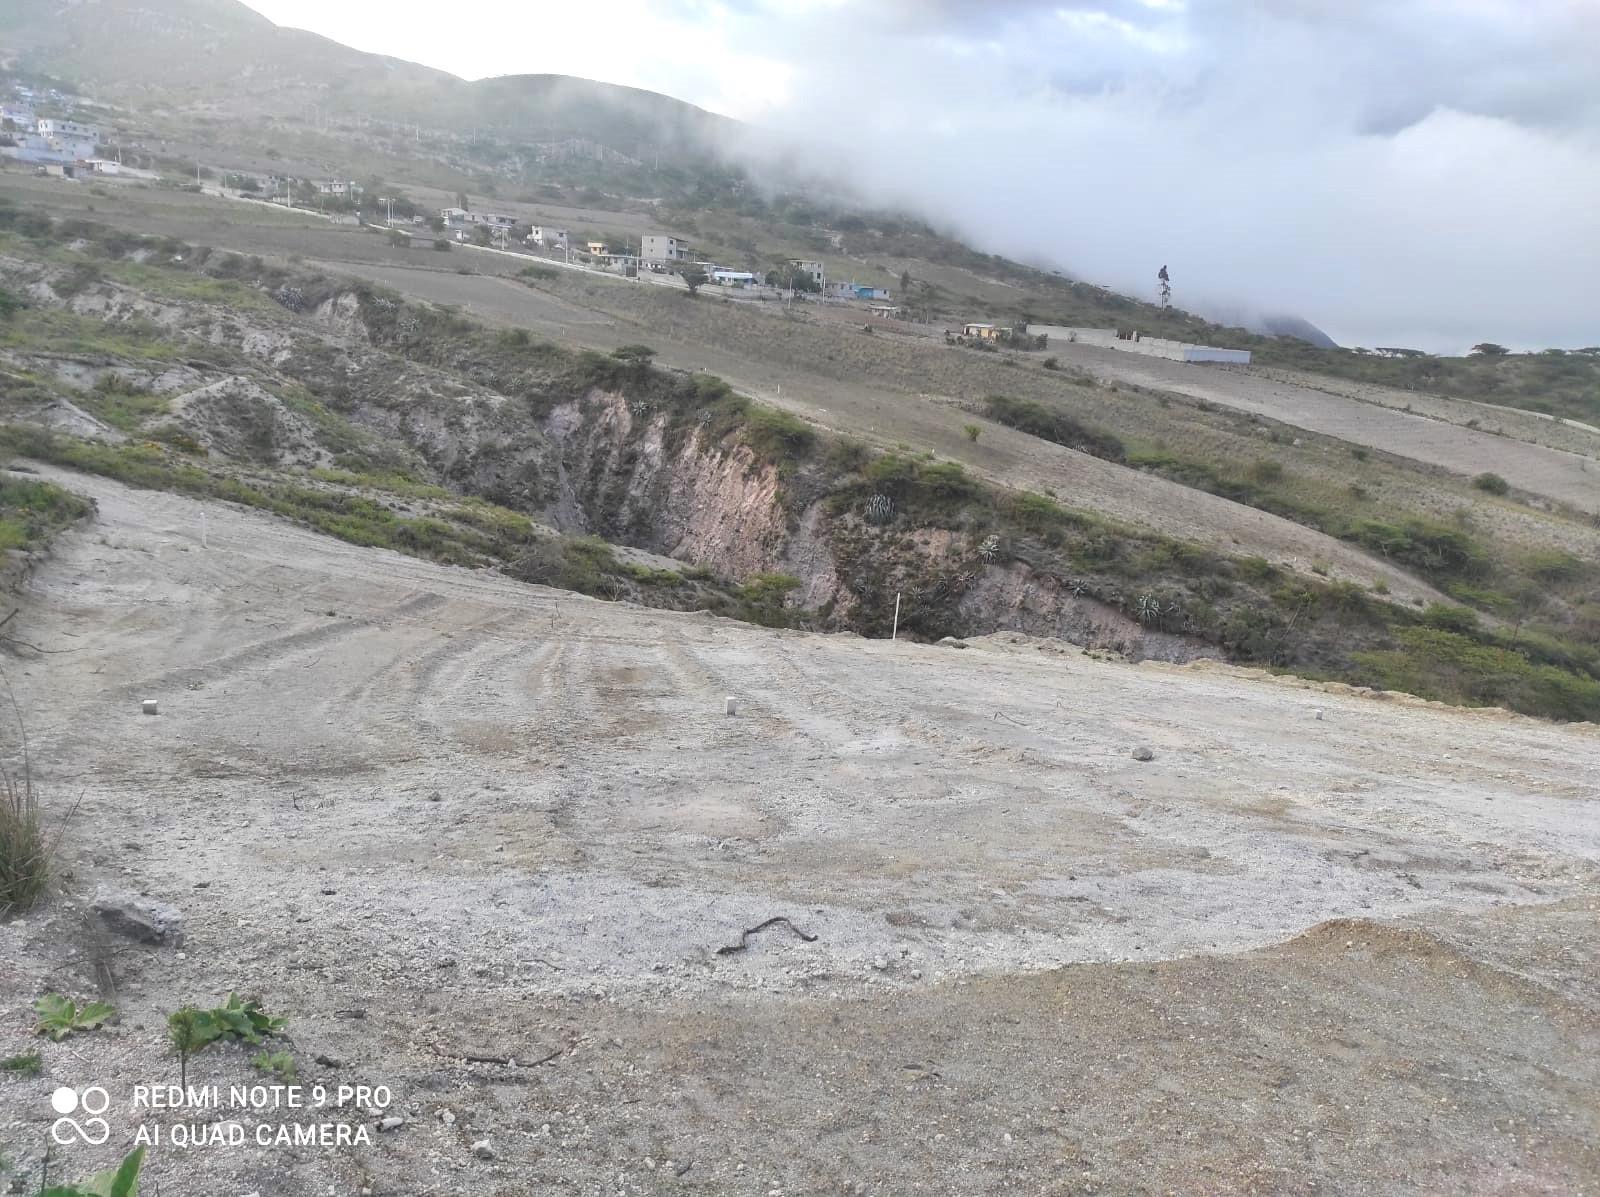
pixel 744 936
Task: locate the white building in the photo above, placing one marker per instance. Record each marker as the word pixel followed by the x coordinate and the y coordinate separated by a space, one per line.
pixel 734 278
pixel 455 218
pixel 1108 338
pixel 50 126
pixel 339 188
pixel 660 247
pixel 813 269
pixel 546 237
pixel 69 139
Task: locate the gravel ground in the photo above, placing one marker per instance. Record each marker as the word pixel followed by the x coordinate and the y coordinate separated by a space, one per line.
pixel 489 845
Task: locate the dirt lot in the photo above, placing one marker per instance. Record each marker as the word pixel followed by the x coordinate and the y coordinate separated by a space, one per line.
pixel 428 814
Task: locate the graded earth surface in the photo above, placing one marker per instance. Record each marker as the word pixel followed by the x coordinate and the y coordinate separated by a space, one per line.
pixel 503 850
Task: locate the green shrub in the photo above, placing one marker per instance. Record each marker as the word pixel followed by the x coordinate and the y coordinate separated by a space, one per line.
pixel 1426 545
pixel 1491 484
pixel 1452 667
pixel 1450 619
pixel 1048 424
pixel 1556 566
pixel 777 436
pixel 32 511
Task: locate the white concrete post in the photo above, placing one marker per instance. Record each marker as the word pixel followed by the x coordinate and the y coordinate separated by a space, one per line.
pixel 895 633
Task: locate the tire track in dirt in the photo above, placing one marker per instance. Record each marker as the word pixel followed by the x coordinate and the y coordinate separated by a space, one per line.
pixel 276 650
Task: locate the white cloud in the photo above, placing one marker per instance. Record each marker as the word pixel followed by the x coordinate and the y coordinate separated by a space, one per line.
pixel 1390 169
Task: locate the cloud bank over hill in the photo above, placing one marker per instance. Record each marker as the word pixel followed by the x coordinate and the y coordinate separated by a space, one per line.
pixel 1416 172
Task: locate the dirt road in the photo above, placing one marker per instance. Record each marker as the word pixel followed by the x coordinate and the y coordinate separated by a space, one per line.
pixel 429 813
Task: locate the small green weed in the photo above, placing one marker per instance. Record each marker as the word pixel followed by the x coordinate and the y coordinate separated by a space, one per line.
pixel 122 1181
pixel 60 1016
pixel 26 1064
pixel 279 1064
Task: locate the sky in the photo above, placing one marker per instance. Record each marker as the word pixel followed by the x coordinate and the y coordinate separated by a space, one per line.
pixel 1419 173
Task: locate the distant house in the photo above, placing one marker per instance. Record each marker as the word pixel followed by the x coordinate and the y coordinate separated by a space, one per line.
pixel 66 140
pixel 734 278
pixel 884 311
pixel 596 249
pixel 338 188
pixel 455 218
pixel 54 127
pixel 546 237
pixel 857 291
pixel 103 166
pixel 662 247
pixel 21 117
pixel 813 269
pixel 983 332
pixel 499 220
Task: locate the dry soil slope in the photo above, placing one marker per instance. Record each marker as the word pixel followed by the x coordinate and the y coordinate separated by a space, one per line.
pixel 888 417
pixel 883 415
pixel 1568 475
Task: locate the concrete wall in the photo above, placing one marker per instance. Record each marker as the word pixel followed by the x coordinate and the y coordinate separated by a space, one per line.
pixel 1106 338
pixel 1204 353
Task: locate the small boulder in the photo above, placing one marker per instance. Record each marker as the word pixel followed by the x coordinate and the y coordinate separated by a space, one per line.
pixel 390 1124
pixel 139 919
pixel 1144 753
pixel 952 642
pixel 482 1150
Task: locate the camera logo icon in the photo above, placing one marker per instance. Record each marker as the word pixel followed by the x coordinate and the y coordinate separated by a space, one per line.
pixel 93 1101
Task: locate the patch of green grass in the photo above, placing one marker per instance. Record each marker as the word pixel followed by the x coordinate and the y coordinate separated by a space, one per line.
pixel 26 1064
pixel 1051 424
pixel 122 404
pixel 764 595
pixel 281 1065
pixel 58 331
pixel 32 511
pixel 354 518
pixel 776 435
pixel 1453 667
pixel 384 480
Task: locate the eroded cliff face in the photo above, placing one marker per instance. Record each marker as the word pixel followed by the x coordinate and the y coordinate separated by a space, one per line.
pixel 617 474
pixel 600 463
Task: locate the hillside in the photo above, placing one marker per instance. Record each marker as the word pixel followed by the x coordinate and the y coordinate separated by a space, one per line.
pixel 214 78
pixel 339 403
pixel 220 58
pixel 622 734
